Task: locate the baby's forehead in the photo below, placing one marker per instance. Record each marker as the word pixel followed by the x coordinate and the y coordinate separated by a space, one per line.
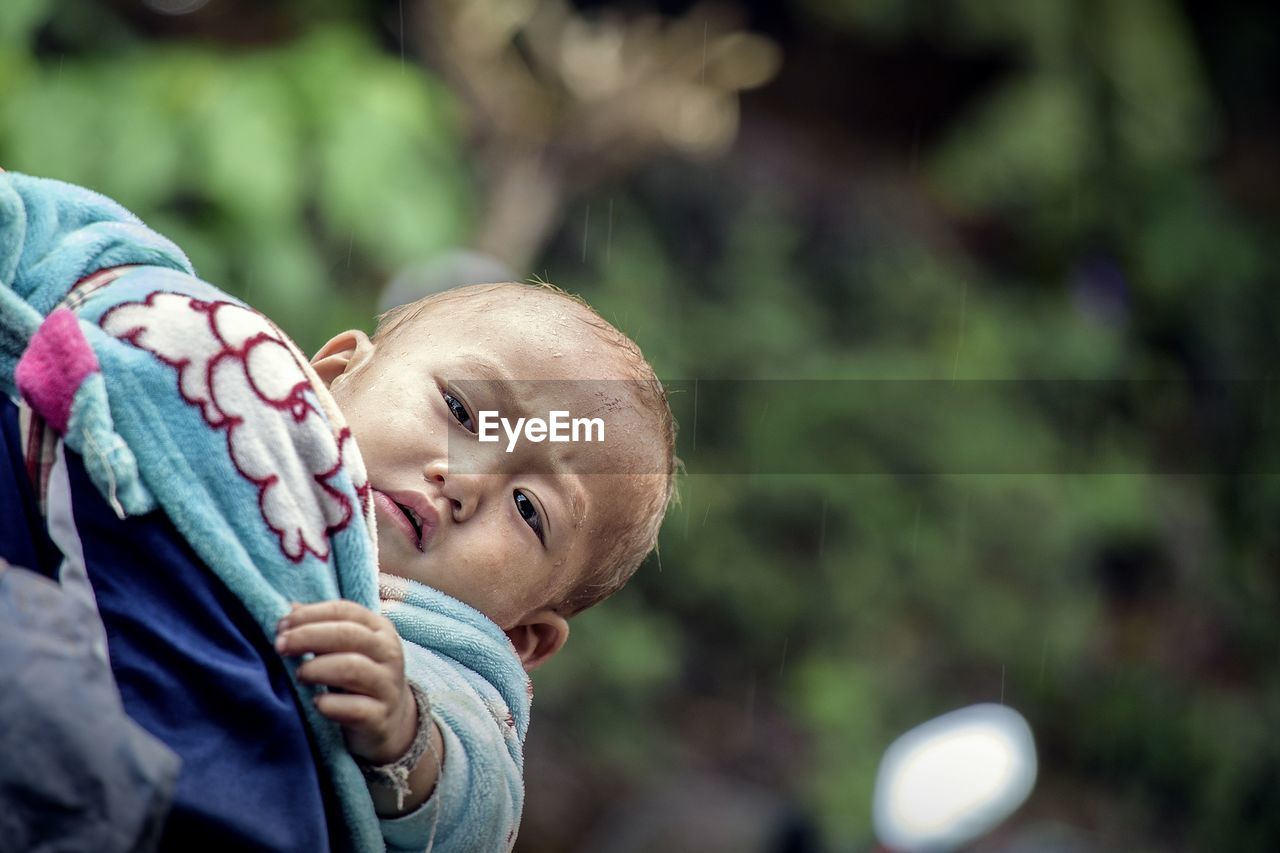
pixel 508 303
pixel 545 337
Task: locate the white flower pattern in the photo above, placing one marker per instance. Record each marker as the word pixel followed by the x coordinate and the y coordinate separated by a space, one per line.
pixel 248 380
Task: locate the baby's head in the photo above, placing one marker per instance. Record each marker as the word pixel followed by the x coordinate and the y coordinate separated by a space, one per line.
pixel 529 535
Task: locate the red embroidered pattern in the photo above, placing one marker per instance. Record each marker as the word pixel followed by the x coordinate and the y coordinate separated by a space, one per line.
pixel 238 369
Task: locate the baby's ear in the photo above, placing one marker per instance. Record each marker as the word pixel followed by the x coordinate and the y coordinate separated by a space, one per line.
pixel 343 351
pixel 539 636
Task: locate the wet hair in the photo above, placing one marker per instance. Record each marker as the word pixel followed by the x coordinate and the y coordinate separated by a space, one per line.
pixel 621 547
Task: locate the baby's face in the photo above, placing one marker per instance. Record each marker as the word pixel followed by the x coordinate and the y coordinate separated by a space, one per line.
pixel 507 533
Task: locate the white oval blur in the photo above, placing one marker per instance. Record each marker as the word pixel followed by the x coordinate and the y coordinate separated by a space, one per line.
pixel 954 778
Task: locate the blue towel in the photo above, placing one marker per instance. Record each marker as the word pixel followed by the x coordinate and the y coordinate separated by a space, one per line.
pixel 480 696
pixel 180 397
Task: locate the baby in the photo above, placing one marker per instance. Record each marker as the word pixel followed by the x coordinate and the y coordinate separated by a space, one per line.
pixel 528 533
pixel 203 477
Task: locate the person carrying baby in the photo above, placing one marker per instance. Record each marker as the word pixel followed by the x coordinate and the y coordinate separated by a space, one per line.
pixel 370 555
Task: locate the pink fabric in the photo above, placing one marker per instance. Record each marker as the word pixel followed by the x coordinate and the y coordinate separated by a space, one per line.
pixel 56 362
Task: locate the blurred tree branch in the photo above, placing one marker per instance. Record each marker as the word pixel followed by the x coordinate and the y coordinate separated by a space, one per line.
pixel 558 103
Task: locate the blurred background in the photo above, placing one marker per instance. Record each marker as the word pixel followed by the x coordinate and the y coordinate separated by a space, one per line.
pixel 854 191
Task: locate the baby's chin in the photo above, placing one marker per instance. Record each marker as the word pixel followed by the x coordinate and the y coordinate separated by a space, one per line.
pixel 417 567
pixel 390 562
pixel 397 569
pixel 391 567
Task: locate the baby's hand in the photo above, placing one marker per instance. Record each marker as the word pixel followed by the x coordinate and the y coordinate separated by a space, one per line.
pixel 358 653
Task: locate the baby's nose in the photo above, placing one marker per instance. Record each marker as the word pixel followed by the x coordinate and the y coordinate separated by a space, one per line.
pixel 436 472
pixel 455 488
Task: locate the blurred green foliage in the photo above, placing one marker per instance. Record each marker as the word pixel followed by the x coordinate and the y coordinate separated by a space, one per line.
pixel 297 175
pixel 1108 607
pixel 793 625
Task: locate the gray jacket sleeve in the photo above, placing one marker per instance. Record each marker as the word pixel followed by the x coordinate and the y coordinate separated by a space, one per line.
pixel 75 772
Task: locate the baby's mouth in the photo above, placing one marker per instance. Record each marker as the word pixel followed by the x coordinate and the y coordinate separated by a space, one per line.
pixel 414 521
pixel 410 513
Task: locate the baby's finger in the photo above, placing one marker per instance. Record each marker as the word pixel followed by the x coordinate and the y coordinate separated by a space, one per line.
pixel 350 709
pixel 337 610
pixel 322 638
pixel 351 672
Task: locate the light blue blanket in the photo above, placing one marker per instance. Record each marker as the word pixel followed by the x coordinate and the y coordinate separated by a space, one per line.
pixel 180 397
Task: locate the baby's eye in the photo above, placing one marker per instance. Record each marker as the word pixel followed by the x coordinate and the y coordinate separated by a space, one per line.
pixel 529 513
pixel 459 411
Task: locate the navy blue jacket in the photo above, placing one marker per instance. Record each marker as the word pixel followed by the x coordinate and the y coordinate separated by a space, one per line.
pixel 192 667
